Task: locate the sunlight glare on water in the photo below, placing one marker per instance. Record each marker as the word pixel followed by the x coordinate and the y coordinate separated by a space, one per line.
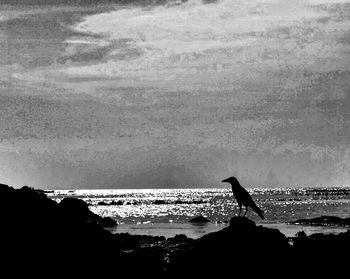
pixel 218 205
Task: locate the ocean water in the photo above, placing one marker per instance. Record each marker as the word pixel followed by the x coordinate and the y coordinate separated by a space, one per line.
pixel 167 211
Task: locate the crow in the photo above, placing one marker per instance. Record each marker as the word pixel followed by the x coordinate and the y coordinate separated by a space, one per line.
pixel 243 197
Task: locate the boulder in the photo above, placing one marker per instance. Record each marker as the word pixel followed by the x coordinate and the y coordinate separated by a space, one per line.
pixel 241 246
pixel 199 219
pixel 159 202
pixel 300 234
pixel 198 202
pixel 107 222
pixel 102 203
pixel 324 221
pixel 77 209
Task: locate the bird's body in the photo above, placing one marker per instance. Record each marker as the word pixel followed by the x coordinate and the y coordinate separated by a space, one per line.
pixel 243 197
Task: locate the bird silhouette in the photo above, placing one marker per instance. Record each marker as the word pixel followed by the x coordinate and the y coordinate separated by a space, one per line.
pixel 243 197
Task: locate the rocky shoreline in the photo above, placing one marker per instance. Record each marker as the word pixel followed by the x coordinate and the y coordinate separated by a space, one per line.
pixel 40 235
pixel 323 221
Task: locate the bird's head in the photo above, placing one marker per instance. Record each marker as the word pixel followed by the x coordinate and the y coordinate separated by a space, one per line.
pixel 233 180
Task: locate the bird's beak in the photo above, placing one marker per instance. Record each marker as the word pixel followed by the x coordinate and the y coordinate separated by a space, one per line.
pixel 225 180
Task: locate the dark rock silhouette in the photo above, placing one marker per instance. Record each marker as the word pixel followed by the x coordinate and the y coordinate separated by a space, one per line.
pixel 102 203
pixel 39 236
pixel 300 234
pixel 326 251
pixel 324 221
pixel 107 222
pixel 159 202
pixel 240 244
pixel 77 210
pixel 189 202
pixel 198 201
pixel 37 232
pixel 199 219
pixel 116 203
pixel 243 197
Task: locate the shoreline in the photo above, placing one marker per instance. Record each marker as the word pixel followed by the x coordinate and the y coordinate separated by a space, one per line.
pixel 30 220
pixel 196 231
pixel 154 212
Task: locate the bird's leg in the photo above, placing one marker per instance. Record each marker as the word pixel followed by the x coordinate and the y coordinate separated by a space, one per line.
pixel 246 210
pixel 240 210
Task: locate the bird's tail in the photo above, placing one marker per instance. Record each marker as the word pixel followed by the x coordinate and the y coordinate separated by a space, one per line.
pixel 258 211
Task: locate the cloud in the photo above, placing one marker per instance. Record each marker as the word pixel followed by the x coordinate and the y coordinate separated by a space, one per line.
pixel 182 94
pixel 317 153
pixel 177 39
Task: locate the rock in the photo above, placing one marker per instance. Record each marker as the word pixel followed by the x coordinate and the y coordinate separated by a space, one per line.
pixel 199 219
pixel 107 222
pixel 324 221
pixel 126 241
pixel 77 209
pixel 300 234
pixel 5 189
pixel 68 234
pixel 179 202
pixel 198 202
pixel 180 237
pixel 149 258
pixel 159 202
pixel 116 203
pixel 102 203
pixel 242 245
pixel 40 191
pixel 241 222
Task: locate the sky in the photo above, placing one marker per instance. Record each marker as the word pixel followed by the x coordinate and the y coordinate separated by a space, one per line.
pixel 175 95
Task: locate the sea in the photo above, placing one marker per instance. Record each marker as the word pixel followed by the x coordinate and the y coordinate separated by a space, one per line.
pixel 167 212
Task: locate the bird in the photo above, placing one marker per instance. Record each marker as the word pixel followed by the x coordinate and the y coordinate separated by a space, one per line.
pixel 243 197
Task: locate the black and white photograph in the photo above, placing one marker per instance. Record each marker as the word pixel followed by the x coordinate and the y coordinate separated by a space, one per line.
pixel 174 138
